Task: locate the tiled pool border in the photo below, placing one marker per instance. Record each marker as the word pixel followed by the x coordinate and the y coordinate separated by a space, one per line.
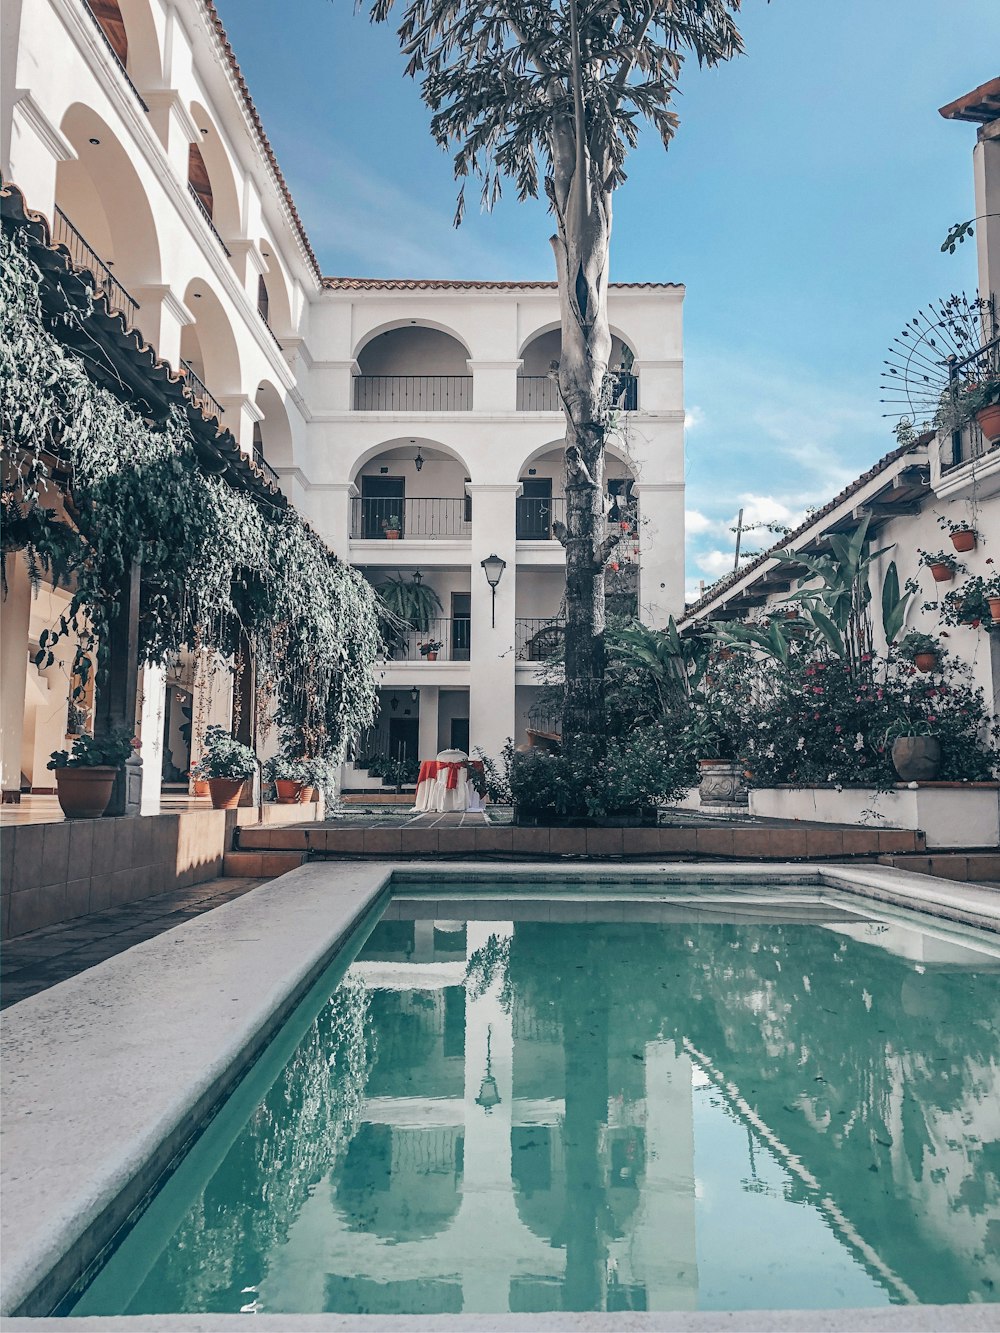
pixel 90 1121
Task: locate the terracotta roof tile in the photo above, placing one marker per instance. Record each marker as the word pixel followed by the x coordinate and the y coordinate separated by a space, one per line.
pixel 455 284
pixel 981 106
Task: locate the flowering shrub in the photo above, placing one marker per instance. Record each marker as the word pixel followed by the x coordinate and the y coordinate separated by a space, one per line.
pixel 824 725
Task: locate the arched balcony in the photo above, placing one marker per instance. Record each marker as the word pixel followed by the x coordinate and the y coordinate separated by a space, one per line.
pixel 413 369
pixel 538 391
pixel 209 354
pixel 411 490
pixel 211 180
pixel 129 36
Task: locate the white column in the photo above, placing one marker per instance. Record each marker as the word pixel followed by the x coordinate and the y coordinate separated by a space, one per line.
pixel 15 616
pixel 153 710
pixel 241 415
pixel 427 719
pixel 986 173
pixel 173 125
pixel 661 384
pixel 494 385
pixel 491 691
pixel 162 315
pixel 250 265
pixel 327 506
pixel 661 551
pixel 36 149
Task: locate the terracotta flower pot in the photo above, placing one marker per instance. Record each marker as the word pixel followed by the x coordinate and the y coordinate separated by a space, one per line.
pixel 989 421
pixel 964 539
pixel 225 792
pixel 994 608
pixel 307 795
pixel 432 657
pixel 288 791
pixel 925 661
pixel 84 793
pixel 916 758
pixel 392 534
pixel 942 573
pixel 199 787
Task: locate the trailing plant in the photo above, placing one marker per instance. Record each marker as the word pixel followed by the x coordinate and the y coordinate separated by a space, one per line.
pixel 220 567
pixel 968 604
pixel 946 558
pixel 915 643
pixel 110 751
pixel 282 768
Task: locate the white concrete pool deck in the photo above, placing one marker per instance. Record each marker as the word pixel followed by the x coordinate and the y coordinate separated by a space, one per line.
pixel 108 1073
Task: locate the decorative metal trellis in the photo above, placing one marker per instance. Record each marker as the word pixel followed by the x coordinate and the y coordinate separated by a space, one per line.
pixel 949 340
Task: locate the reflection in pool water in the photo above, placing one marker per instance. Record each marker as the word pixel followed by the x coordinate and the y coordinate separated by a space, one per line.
pixel 669 1113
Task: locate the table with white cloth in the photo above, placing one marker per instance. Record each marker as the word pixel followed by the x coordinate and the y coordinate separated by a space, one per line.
pixel 444 786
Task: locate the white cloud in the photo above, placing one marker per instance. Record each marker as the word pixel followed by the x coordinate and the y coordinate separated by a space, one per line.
pixel 696 523
pixel 716 563
pixel 694 417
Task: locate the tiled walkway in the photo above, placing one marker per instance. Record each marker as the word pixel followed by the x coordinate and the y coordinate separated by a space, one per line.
pixel 41 958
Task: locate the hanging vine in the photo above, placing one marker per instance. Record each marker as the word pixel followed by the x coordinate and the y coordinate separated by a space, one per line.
pixel 89 486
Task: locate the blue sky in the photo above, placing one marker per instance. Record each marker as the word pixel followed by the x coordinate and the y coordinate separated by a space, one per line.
pixel 802 203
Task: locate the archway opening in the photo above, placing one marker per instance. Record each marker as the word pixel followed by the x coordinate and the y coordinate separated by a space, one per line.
pixel 413 368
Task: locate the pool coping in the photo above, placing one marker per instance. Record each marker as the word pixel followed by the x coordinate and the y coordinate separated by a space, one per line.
pixel 91 1121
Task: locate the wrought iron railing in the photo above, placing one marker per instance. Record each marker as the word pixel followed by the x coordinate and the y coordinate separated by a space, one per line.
pixel 265 467
pixel 84 257
pixel 967 441
pixel 535 516
pixel 540 393
pixel 115 56
pixel 413 393
pixel 539 639
pixel 200 204
pixel 209 404
pixel 376 518
pixel 452 635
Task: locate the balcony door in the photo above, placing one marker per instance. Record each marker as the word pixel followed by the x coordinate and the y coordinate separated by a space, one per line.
pixel 534 509
pixel 461 626
pixel 382 506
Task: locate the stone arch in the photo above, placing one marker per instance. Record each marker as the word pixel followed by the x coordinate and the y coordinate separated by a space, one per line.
pixel 548 339
pixel 399 325
pixel 406 448
pixel 274 430
pixel 104 199
pixel 279 312
pixel 209 344
pixel 222 174
pixel 620 463
pixel 130 30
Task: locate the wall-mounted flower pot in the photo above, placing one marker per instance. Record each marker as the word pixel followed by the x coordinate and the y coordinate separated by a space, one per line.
pixel 289 792
pixel 989 421
pixel 916 758
pixel 225 792
pixel 964 539
pixel 84 793
pixel 942 573
pixel 994 603
pixel 925 661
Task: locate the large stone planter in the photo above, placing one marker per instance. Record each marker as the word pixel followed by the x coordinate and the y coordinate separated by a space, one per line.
pixel 916 758
pixel 721 783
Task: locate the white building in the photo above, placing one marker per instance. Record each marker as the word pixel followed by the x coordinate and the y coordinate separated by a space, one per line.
pixel 128 124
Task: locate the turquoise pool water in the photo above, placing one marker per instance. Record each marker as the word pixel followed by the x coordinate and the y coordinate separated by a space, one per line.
pixel 654 1105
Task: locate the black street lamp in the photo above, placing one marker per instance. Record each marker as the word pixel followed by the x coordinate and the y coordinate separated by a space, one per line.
pixel 493 568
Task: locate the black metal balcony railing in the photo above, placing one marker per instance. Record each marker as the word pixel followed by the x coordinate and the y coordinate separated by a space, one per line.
pixel 265 466
pixel 374 518
pixel 413 393
pixel 115 56
pixel 454 635
pixel 535 516
pixel 968 443
pixel 206 401
pixel 84 257
pixel 208 218
pixel 539 639
pixel 540 393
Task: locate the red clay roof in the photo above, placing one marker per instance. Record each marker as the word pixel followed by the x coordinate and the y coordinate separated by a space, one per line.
pixel 265 143
pixel 455 284
pixel 982 105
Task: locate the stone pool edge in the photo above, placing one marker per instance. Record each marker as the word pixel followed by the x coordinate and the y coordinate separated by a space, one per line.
pixel 63 1049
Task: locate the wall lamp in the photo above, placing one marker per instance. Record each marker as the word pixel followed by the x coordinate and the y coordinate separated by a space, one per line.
pixel 493 568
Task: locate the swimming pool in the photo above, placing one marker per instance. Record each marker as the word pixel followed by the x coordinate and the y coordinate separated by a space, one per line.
pixel 594 1103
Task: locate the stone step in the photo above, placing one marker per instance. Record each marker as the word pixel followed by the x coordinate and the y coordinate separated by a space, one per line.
pixel 260 865
pixel 979 867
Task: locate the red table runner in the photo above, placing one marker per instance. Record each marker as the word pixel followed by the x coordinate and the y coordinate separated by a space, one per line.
pixel 430 768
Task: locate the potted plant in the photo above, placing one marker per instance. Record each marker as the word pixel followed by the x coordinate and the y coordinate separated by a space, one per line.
pixel 318 774
pixel 942 565
pixel 920 649
pixel 714 745
pixel 963 535
pixel 288 778
pixel 967 604
pixel 226 764
pixel 392 527
pixel 85 776
pixel 981 399
pixel 916 751
pixel 991 591
pixel 199 782
pixel 430 649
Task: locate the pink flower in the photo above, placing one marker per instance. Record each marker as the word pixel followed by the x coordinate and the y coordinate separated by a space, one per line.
pixel 837 730
pixel 931 717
